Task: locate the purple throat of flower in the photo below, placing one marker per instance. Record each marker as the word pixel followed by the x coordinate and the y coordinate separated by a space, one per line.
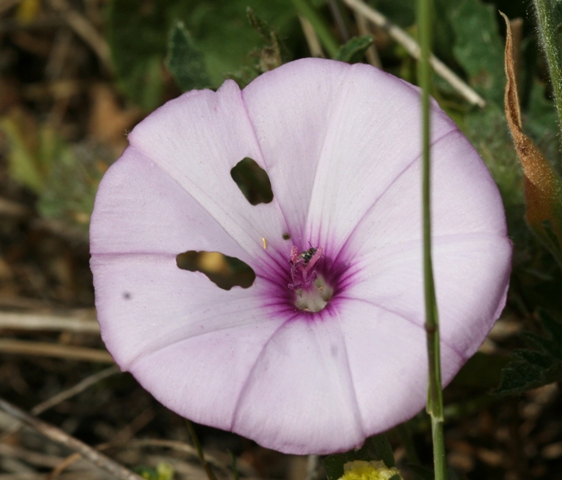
pixel 311 287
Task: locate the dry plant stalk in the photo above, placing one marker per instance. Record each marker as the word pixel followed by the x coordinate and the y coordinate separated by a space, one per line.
pixel 58 436
pixel 412 47
pixel 543 188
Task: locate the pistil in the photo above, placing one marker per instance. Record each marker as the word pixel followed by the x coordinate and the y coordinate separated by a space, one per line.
pixel 312 293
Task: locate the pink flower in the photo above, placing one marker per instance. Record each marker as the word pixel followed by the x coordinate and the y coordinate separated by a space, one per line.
pixel 327 346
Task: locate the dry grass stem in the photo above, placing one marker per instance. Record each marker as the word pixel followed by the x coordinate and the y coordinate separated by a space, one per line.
pixel 58 436
pixel 22 347
pixel 47 322
pixel 311 38
pixel 75 390
pixel 363 29
pixel 340 22
pixel 412 47
pixel 85 30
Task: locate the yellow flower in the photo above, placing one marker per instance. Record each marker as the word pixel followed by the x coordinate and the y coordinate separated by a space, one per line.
pixel 375 470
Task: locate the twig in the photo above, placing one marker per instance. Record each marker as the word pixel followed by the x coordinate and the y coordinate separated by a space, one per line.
pixel 29 456
pixel 311 38
pixel 84 29
pixel 24 302
pixel 47 322
pixel 75 390
pixel 65 395
pixel 139 422
pixel 59 53
pixel 172 444
pixel 58 436
pixel 41 349
pixel 63 465
pixel 412 47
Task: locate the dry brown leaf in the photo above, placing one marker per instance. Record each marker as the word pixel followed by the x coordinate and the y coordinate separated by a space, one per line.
pixel 543 188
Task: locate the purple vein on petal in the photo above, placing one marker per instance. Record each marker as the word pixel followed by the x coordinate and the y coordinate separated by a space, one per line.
pixel 387 189
pixel 246 383
pixel 253 253
pixel 264 160
pixel 333 117
pixel 356 409
pixel 165 342
pixel 437 240
pixel 411 322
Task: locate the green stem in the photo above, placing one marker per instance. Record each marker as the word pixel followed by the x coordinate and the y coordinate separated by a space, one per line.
pixel 200 454
pixel 546 23
pixel 435 396
pixel 324 35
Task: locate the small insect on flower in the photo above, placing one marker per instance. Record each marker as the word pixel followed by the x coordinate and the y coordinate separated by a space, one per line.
pixel 308 254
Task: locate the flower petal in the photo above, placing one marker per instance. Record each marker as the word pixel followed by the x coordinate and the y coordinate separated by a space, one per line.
pixel 140 209
pixel 197 139
pixel 464 197
pixel 387 358
pixel 290 108
pixel 154 302
pixel 471 253
pixel 299 397
pixel 471 275
pixel 374 134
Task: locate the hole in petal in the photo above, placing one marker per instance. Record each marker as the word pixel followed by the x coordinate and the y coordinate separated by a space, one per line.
pixel 253 181
pixel 225 272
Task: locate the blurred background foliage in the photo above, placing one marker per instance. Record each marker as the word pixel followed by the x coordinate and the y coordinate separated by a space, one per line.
pixel 77 75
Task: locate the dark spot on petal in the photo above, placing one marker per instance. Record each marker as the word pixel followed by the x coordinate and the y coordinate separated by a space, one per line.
pixel 127 295
pixel 286 236
pixel 225 272
pixel 253 181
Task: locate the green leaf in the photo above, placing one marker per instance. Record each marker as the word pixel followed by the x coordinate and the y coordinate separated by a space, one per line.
pixel 538 367
pixel 136 32
pixel 138 35
pixel 354 50
pixel 184 61
pixel 334 463
pixel 487 131
pixel 214 24
pixel 25 163
pixel 384 449
pixel 482 371
pixel 479 48
pixel 259 25
pixel 70 189
pixel 274 52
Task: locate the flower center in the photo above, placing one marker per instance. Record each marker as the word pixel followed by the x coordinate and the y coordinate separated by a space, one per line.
pixel 312 292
